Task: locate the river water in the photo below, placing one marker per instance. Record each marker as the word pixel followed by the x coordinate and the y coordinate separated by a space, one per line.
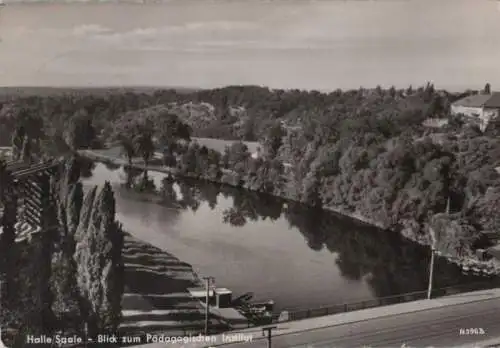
pixel 285 252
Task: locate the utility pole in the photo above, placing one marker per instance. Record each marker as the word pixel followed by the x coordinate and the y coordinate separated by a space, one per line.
pixel 267 331
pixel 86 333
pixel 2 345
pixel 208 281
pixel 433 252
pixel 431 271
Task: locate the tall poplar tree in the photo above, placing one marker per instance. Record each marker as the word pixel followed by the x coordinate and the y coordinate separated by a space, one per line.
pixel 45 251
pixel 112 272
pixel 66 304
pixel 17 142
pixel 81 251
pixel 99 258
pixel 26 150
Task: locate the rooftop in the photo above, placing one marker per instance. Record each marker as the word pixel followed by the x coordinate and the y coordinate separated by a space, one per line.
pixel 494 251
pixel 200 292
pixel 494 101
pixel 221 291
pixel 473 101
pixel 480 100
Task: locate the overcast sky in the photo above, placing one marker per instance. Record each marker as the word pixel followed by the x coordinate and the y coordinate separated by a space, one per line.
pixel 283 43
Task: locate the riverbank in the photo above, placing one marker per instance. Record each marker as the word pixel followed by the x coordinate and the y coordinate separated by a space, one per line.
pixel 476 265
pixel 156 298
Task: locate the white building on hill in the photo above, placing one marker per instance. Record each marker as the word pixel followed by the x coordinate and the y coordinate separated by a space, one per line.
pixel 481 108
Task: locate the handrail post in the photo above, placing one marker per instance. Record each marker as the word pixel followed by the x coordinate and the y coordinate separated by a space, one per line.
pixel 268 330
pixel 431 273
pixel 1 342
pixel 207 308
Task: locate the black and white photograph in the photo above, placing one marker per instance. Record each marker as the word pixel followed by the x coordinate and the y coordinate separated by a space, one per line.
pixel 250 173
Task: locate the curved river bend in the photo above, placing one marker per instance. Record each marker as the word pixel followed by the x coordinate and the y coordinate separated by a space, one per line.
pixel 298 257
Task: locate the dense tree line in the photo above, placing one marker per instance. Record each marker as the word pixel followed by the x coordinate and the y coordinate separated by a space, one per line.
pixel 234 112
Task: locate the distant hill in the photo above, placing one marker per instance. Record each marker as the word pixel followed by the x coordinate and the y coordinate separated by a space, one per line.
pixel 55 91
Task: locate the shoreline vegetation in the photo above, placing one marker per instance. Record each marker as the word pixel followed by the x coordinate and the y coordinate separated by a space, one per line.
pixel 373 154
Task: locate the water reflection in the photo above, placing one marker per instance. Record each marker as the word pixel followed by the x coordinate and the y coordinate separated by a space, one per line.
pixel 349 261
pixel 249 206
pixel 86 167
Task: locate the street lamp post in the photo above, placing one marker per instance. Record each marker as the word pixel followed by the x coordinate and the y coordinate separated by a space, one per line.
pixel 434 239
pixel 2 345
pixel 208 280
pixel 86 334
pixel 267 331
pixel 431 272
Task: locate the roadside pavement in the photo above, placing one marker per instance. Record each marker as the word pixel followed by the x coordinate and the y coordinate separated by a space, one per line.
pixel 491 343
pixel 301 327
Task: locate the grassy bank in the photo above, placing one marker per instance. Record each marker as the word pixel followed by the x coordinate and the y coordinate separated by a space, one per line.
pixel 156 298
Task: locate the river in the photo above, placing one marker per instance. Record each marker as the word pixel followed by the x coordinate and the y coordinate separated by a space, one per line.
pixel 278 250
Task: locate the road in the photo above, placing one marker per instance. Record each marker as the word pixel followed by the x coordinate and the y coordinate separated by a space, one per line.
pixel 438 327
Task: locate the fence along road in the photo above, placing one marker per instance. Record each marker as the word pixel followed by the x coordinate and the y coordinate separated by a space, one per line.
pixel 441 322
pixel 294 315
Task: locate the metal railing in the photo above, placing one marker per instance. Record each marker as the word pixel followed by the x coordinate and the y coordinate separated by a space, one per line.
pixel 384 301
pixel 293 315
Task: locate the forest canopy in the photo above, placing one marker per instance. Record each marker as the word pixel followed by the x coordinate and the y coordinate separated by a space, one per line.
pixel 364 152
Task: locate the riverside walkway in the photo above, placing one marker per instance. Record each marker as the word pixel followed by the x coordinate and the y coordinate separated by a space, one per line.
pixel 452 321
